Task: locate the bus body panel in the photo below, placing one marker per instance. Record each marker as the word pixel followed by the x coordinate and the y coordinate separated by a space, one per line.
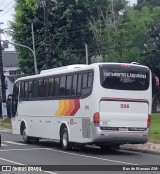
pixel 123 114
pixel 45 117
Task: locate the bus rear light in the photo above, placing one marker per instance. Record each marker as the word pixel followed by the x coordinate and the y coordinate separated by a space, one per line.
pixel 96 118
pixel 149 120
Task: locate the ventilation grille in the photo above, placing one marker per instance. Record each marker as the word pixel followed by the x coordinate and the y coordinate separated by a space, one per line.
pixel 86 131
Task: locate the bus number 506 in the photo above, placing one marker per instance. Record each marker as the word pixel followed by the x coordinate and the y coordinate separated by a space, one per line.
pixel 124 105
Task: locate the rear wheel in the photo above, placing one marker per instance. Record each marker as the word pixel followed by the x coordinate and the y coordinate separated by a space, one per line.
pixel 66 145
pixel 26 138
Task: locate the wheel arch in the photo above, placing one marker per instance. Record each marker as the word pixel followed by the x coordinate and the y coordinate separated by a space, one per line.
pixel 63 125
pixel 22 125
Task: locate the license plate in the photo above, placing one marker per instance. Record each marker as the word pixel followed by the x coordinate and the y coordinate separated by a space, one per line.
pixel 123 129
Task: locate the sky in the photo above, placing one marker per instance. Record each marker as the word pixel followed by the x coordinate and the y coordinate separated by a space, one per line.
pixel 7 15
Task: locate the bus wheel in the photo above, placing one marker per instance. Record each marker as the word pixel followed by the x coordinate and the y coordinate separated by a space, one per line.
pixel 65 140
pixel 26 138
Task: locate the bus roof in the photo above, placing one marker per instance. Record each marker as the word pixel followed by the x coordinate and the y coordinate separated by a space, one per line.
pixel 73 68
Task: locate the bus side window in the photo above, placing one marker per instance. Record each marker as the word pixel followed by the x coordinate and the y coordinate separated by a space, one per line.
pixel 68 85
pixel 74 85
pixel 25 90
pixel 79 86
pixel 56 87
pixel 34 89
pixel 62 86
pixel 50 87
pixel 22 90
pixel 30 91
pixel 40 88
pixel 45 86
pixel 87 83
pixel 90 79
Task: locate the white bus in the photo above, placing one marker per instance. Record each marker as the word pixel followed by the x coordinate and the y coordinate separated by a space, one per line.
pixel 105 104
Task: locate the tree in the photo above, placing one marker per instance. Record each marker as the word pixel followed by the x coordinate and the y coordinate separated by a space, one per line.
pixel 69 31
pixel 147 3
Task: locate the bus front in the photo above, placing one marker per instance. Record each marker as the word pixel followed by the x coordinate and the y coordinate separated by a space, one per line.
pixel 125 97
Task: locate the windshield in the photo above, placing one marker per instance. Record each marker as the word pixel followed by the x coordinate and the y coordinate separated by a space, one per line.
pixel 124 77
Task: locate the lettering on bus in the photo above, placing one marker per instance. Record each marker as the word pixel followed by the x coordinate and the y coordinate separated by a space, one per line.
pixel 131 75
pixel 124 106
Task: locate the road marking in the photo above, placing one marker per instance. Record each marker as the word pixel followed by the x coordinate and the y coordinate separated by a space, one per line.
pixel 7 150
pixel 104 159
pixel 12 142
pixel 14 162
pixel 4 145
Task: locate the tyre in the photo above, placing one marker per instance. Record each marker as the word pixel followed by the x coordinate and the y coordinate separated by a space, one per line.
pixel 66 145
pixel 26 138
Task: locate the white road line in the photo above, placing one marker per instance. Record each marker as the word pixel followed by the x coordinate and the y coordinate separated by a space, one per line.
pixel 4 145
pixel 12 142
pixel 14 162
pixel 104 159
pixel 7 150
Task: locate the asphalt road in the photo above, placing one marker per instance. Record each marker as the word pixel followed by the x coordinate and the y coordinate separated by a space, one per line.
pixel 14 152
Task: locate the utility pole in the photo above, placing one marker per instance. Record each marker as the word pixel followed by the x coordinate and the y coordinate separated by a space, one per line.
pixel 34 51
pixel 86 50
pixel 2 77
pixel 48 60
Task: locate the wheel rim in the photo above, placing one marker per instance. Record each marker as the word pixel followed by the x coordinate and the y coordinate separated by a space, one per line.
pixel 65 139
pixel 25 135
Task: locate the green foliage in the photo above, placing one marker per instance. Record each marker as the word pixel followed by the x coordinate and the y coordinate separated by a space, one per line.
pixel 147 3
pixel 109 27
pixel 69 32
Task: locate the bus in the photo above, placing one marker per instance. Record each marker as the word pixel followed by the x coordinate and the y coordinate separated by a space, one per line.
pixel 102 104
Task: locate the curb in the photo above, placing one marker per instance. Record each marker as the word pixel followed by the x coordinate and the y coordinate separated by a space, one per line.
pixel 6 130
pixel 140 150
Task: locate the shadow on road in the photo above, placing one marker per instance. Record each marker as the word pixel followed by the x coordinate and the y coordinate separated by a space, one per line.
pixel 87 150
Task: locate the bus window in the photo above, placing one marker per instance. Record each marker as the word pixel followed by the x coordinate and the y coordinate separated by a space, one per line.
pixel 84 84
pixel 21 90
pixel 25 90
pixel 56 87
pixel 45 86
pixel 68 85
pixel 62 86
pixel 74 85
pixel 30 91
pixel 34 89
pixel 79 87
pixel 124 78
pixel 90 79
pixel 87 83
pixel 40 88
pixel 50 87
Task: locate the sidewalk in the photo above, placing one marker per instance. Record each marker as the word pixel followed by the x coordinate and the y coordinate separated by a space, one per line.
pixel 145 148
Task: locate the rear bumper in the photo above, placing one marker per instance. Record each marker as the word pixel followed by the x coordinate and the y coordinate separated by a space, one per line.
pixel 121 137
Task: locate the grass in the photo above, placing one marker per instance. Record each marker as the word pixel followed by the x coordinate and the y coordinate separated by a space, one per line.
pixel 154 132
pixel 5 123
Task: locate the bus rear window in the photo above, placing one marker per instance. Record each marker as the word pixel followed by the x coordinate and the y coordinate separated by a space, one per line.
pixel 124 77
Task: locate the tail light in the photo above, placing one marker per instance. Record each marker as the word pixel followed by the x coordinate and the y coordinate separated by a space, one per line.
pixel 96 118
pixel 149 121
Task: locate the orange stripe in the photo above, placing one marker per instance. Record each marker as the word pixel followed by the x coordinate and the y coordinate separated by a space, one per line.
pixel 72 106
